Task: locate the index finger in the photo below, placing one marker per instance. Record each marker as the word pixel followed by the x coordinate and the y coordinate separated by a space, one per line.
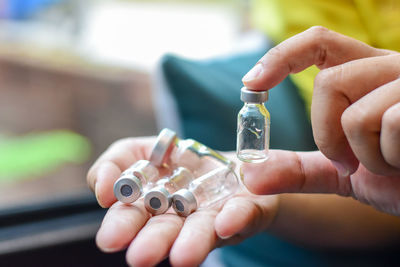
pixel 315 46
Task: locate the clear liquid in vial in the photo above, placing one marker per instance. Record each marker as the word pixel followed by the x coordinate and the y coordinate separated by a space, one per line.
pixel 253 155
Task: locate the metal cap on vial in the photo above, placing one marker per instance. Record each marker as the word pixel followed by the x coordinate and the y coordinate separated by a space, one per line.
pixel 162 146
pixel 157 200
pixel 128 189
pixel 184 202
pixel 250 96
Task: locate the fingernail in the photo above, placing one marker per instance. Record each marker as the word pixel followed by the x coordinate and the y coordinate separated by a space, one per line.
pixel 341 169
pixel 254 73
pixel 225 237
pixel 109 250
pixel 96 193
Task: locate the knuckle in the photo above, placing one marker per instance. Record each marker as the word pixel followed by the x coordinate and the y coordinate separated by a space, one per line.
pixel 355 121
pixel 323 143
pixel 391 127
pixel 328 81
pixel 324 78
pixel 333 77
pixel 318 30
pixel 275 51
pixel 323 138
pixel 391 119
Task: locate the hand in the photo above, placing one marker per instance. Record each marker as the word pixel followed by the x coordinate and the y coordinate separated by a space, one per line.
pixel 187 241
pixel 355 111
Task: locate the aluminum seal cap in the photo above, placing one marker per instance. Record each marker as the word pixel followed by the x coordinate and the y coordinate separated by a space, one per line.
pixel 128 189
pixel 250 96
pixel 157 200
pixel 162 147
pixel 184 202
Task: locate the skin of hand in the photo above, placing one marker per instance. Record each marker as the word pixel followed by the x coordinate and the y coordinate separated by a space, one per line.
pixel 355 118
pixel 150 239
pixel 326 221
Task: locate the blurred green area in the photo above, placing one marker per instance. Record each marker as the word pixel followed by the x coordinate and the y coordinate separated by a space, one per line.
pixel 37 153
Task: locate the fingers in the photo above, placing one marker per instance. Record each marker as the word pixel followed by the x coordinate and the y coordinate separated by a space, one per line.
pixel 256 214
pixel 120 225
pixel 316 46
pixel 191 239
pixel 382 192
pixel 196 239
pixel 118 157
pixel 105 176
pixel 362 126
pixel 337 88
pixel 359 70
pixel 390 135
pixel 295 172
pixel 154 241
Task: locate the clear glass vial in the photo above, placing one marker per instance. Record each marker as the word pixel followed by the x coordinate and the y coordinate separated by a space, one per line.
pixel 253 127
pixel 129 187
pixel 157 200
pixel 174 152
pixel 131 183
pixel 205 191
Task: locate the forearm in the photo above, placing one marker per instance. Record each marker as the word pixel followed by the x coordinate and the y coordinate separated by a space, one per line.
pixel 330 221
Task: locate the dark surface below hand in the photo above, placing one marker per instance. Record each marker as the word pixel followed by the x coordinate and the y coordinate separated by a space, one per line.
pixel 83 253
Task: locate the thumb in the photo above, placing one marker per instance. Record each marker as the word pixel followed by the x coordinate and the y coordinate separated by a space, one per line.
pixel 295 172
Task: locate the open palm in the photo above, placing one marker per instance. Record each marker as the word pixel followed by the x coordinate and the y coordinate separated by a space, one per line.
pixel 150 239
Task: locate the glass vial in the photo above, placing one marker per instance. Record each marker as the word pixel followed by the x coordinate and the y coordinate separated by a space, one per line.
pixel 129 187
pixel 157 200
pixel 205 191
pixel 252 143
pixel 173 152
pixel 163 147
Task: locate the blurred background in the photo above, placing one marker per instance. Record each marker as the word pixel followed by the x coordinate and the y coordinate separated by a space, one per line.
pixel 76 76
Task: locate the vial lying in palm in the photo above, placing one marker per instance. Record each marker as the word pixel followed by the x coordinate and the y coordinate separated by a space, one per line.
pixel 169 152
pixel 205 191
pixel 129 187
pixel 174 152
pixel 253 127
pixel 143 174
pixel 157 200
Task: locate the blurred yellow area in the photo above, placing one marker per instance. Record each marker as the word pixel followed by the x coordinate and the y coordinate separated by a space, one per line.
pixel 375 22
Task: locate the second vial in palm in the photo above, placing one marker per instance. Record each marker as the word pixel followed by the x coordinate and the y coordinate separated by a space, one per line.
pixel 158 200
